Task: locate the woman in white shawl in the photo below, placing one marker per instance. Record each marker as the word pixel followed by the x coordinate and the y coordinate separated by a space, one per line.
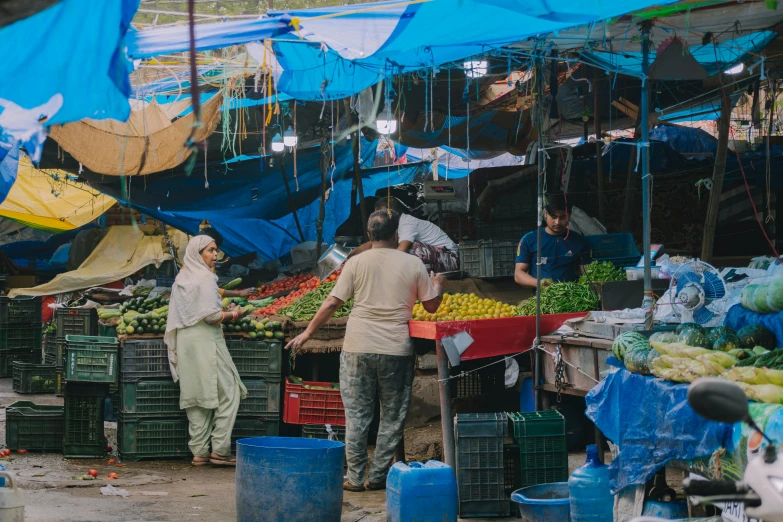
pixel 210 387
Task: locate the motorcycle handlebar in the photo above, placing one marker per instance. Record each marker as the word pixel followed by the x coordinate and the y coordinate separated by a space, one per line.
pixel 709 488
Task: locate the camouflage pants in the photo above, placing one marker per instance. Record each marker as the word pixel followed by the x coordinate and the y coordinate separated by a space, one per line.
pixel 362 375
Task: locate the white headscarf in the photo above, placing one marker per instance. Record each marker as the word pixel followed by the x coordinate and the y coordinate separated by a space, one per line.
pixel 194 297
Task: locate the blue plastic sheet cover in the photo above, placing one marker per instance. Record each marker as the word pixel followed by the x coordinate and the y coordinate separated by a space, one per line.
pixel 651 422
pixel 154 42
pixel 704 110
pixel 71 50
pixel 739 317
pixel 685 139
pixel 713 58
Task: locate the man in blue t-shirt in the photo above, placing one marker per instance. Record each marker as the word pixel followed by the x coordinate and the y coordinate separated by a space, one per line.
pixel 566 252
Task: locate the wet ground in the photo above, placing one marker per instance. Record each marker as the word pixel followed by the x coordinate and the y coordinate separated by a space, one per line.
pixel 165 490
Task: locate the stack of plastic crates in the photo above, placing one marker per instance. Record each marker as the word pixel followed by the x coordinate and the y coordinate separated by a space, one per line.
pixel 21 332
pixel 541 438
pixel 259 363
pixel 90 368
pixel 480 474
pixel 151 423
pixel 69 321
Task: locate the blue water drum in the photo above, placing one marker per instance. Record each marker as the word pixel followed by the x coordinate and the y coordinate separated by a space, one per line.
pixel 282 479
pixel 419 492
pixel 589 490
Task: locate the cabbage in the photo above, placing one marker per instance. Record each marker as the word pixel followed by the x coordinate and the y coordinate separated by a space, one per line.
pixel 747 297
pixel 760 300
pixel 775 295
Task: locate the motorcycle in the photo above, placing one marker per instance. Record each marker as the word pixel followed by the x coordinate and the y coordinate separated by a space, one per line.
pixel 761 490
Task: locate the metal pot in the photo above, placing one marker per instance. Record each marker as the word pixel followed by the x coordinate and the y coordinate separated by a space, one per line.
pixel 331 260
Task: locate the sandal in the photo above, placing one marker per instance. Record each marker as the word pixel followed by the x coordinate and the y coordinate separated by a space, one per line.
pixel 218 460
pixel 347 486
pixel 376 486
pixel 196 462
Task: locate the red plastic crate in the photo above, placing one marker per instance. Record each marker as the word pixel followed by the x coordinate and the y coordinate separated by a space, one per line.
pixel 305 406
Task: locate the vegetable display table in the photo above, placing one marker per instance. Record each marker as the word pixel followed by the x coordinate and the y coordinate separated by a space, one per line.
pixel 491 337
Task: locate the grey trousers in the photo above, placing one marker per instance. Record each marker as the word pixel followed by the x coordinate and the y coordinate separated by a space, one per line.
pixel 362 375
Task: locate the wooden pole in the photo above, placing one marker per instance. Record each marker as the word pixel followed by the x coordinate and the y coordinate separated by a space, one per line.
pixel 711 221
pixel 627 222
pixel 322 204
pixel 290 199
pixel 357 169
pixel 599 142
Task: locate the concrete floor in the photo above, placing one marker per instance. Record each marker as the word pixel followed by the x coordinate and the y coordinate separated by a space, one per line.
pixel 160 490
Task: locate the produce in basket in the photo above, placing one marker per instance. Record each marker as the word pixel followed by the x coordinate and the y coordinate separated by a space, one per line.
pixel 756 335
pixel 713 334
pixel 465 307
pixel 623 343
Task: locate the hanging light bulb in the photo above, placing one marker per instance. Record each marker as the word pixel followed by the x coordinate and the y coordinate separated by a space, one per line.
pixel 475 68
pixel 386 124
pixel 289 138
pixel 736 69
pixel 278 145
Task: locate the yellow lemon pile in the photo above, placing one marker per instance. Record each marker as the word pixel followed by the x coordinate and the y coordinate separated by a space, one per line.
pixel 465 307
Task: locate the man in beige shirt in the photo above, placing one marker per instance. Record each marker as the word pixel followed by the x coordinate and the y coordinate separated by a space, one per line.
pixel 377 355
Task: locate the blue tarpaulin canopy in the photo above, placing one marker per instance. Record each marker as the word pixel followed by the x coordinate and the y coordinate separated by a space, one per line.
pixel 61 64
pixel 714 58
pixel 246 200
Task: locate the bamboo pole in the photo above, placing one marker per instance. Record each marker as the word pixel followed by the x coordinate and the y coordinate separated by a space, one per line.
pixel 711 221
pixel 599 173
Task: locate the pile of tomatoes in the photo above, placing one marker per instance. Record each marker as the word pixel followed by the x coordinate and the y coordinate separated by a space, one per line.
pixel 305 287
pixel 276 287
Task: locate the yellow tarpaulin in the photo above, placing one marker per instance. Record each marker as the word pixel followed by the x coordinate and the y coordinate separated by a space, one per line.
pixel 39 200
pixel 122 252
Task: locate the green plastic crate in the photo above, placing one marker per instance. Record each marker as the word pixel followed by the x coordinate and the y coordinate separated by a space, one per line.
pixel 76 321
pixel 543 453
pixel 20 310
pixel 84 407
pixel 256 358
pixel 107 330
pixel 34 427
pixel 7 359
pixel 263 398
pixel 21 337
pixel 144 359
pixel 34 378
pixel 248 428
pixel 480 474
pixel 142 437
pixel 159 398
pixel 91 359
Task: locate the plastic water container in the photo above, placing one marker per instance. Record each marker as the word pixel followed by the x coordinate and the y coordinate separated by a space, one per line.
pixel 419 492
pixel 590 496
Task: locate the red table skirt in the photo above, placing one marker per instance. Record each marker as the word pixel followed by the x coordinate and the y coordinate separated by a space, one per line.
pixel 493 337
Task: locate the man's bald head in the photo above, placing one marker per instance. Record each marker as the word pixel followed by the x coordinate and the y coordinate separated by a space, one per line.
pixel 382 225
pixel 390 203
